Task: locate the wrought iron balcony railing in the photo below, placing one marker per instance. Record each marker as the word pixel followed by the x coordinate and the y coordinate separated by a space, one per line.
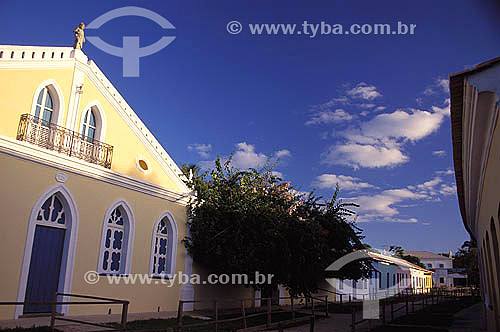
pixel 50 136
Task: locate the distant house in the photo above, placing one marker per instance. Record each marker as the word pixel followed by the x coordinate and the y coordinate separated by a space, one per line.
pixel 442 266
pixel 391 275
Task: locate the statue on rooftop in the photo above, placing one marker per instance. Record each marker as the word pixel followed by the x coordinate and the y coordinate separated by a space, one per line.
pixel 79 36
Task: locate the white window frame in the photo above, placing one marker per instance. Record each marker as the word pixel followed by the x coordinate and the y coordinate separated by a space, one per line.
pixel 86 126
pixel 127 241
pixel 171 246
pixel 57 100
pixel 100 119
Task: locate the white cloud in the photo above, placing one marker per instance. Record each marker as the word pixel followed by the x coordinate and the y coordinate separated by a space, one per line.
pixel 444 84
pixel 364 91
pixel 385 205
pixel 440 85
pixel 202 149
pixel 283 153
pixel 364 105
pixel 328 116
pixel 449 171
pixel 447 189
pixel 380 108
pixel 439 153
pixel 379 142
pixel 246 157
pixel 413 125
pixel 363 155
pixel 330 181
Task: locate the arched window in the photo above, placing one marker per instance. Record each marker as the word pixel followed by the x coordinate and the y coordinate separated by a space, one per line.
pixel 89 125
pixel 164 246
pixel 44 107
pixel 116 241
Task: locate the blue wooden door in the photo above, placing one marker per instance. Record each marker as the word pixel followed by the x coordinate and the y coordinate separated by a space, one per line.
pixel 45 266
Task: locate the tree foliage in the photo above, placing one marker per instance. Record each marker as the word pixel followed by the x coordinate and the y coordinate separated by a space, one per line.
pixel 399 251
pixel 467 258
pixel 248 221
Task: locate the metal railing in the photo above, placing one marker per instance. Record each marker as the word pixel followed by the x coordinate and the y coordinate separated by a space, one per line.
pixel 99 300
pixel 56 138
pixel 409 302
pixel 297 305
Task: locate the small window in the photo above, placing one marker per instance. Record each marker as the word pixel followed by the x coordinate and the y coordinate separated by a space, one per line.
pixel 341 284
pixel 441 266
pixel 163 249
pixel 441 280
pixel 89 126
pixel 44 107
pixel 142 164
pixel 160 252
pixel 115 242
pixel 429 266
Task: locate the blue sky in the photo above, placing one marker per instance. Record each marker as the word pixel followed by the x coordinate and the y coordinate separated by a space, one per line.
pixel 369 112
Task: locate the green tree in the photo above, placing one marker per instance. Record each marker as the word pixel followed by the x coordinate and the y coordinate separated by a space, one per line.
pixel 467 258
pixel 248 221
pixel 399 252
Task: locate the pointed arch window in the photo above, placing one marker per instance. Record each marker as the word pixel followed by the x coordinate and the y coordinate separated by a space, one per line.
pixel 52 212
pixel 89 125
pixel 163 249
pixel 44 107
pixel 115 243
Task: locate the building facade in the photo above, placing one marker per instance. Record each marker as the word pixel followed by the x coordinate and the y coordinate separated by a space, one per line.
pixel 392 275
pixel 85 187
pixel 476 146
pixel 442 267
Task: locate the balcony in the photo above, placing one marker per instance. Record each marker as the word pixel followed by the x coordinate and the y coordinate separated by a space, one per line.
pixel 52 137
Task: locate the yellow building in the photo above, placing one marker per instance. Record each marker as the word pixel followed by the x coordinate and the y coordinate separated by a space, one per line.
pixel 85 187
pixel 476 153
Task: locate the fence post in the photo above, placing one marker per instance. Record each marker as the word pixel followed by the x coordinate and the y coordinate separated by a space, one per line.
pixel 392 311
pixel 280 327
pixel 353 319
pixel 268 323
pixel 243 314
pixel 311 324
pixel 406 305
pixel 326 305
pixel 293 310
pixel 216 314
pixel 383 311
pixel 412 304
pixel 312 306
pixel 53 313
pixel 179 315
pixel 124 315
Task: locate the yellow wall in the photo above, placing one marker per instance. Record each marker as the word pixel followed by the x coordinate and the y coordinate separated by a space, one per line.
pixel 93 198
pixel 126 145
pixel 16 96
pixel 17 91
